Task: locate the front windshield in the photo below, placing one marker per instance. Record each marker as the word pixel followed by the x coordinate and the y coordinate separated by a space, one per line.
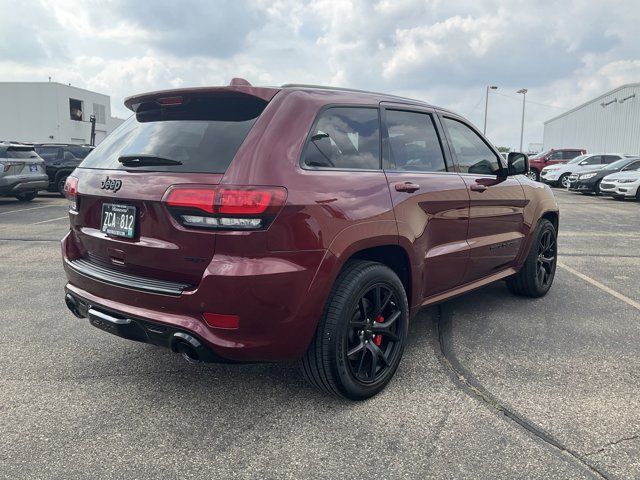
pixel 618 164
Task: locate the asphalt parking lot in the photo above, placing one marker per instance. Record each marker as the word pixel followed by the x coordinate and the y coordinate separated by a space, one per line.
pixel 491 386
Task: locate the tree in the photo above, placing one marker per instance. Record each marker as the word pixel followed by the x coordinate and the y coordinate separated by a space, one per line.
pixel 504 149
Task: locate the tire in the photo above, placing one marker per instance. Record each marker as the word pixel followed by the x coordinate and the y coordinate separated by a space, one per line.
pixel 533 174
pixel 60 185
pixel 543 253
pixel 563 181
pixel 638 194
pixel 340 358
pixel 26 196
pixel 596 188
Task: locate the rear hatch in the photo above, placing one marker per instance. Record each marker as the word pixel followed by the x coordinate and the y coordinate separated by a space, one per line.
pixel 177 138
pixel 21 161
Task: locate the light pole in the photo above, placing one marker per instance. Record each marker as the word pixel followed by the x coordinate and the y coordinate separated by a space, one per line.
pixel 486 106
pixel 523 91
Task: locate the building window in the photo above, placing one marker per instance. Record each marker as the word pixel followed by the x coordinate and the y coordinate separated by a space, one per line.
pixel 75 109
pixel 99 112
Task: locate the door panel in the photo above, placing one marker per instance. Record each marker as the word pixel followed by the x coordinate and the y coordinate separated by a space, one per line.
pixel 496 212
pixel 496 225
pixel 434 220
pixel 431 204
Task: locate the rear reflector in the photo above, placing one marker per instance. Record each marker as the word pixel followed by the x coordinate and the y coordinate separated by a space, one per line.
pixel 217 320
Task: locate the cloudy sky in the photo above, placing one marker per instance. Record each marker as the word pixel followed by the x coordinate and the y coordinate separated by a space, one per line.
pixel 443 52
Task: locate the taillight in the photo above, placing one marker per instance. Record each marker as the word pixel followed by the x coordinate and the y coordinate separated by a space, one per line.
pixel 6 165
pixel 226 208
pixel 71 192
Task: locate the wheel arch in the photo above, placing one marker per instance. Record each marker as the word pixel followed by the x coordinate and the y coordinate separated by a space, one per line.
pixel 63 172
pixel 553 217
pixel 393 256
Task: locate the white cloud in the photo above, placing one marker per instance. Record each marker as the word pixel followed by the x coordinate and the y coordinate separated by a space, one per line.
pixel 441 52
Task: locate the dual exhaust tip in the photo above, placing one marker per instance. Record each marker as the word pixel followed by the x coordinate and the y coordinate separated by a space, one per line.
pixel 189 347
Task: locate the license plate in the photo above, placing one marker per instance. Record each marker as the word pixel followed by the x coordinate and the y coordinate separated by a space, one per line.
pixel 118 220
pixel 33 167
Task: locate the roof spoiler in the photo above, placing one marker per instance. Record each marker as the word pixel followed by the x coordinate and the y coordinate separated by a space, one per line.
pixel 237 86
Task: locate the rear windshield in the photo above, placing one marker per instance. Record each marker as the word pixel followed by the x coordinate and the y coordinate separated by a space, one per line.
pixel 201 136
pixel 21 153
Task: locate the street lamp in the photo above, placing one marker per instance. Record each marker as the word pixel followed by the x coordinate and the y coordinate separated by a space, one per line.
pixel 486 105
pixel 523 91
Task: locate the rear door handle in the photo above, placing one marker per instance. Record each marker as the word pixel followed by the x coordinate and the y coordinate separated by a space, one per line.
pixel 407 187
pixel 477 187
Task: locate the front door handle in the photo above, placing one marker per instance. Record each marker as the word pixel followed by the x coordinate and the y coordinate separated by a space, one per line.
pixel 478 187
pixel 407 187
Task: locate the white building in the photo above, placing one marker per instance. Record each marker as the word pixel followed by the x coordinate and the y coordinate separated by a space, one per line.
pixel 609 123
pixel 53 112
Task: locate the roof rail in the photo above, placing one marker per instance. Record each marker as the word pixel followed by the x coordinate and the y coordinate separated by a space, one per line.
pixel 344 89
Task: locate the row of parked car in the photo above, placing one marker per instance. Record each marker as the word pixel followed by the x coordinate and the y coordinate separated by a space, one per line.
pixel 26 168
pixel 614 174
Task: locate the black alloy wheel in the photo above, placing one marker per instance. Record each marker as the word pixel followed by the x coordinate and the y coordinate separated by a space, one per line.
pixel 360 338
pixel 374 334
pixel 538 271
pixel 546 262
pixel 60 185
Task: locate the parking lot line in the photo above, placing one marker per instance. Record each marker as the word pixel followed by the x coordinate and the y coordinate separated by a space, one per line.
pixel 599 234
pixel 32 208
pixel 50 220
pixel 601 286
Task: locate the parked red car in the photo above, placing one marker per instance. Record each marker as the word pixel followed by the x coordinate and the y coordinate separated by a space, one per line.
pixel 242 223
pixel 551 157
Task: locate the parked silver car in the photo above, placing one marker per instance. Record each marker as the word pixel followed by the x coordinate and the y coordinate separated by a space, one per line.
pixel 22 171
pixel 558 175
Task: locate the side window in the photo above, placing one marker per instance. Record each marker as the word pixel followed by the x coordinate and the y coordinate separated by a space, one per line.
pixel 48 154
pixel 632 166
pixel 344 137
pixel 570 154
pixel 595 160
pixel 555 156
pixel 610 158
pixel 473 154
pixel 413 142
pixel 79 152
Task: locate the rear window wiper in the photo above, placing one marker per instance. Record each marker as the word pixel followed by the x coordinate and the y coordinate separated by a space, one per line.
pixel 145 160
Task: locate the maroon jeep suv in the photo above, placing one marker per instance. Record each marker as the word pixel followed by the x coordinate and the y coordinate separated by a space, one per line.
pixel 551 157
pixel 241 223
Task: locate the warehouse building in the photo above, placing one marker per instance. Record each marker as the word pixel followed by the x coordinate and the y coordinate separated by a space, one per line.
pixel 53 112
pixel 609 123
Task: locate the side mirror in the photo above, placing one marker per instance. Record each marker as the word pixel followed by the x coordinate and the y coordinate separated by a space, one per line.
pixel 518 163
pixel 584 162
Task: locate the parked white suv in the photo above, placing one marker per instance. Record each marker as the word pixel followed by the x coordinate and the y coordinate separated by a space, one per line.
pixel 622 184
pixel 558 175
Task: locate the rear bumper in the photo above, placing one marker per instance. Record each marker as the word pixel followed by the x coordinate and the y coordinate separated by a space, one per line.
pixel 33 183
pixel 137 329
pixel 278 298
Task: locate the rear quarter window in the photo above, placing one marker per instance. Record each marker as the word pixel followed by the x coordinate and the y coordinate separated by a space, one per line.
pixel 19 153
pixel 344 138
pixel 203 135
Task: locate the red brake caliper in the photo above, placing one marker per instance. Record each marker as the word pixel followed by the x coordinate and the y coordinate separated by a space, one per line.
pixel 377 339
